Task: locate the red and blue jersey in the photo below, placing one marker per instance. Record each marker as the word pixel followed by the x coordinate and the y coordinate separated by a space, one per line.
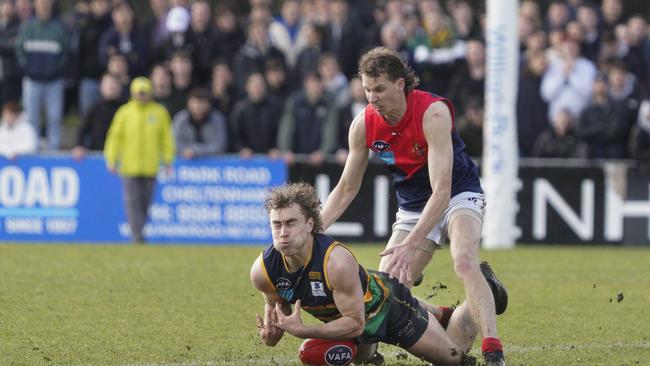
pixel 404 148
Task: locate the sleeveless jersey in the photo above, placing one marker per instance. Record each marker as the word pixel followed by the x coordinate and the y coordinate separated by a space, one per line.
pixel 404 148
pixel 310 285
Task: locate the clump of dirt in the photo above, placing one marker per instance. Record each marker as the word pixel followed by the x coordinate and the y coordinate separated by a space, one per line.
pixel 619 298
pixel 435 289
pixel 468 361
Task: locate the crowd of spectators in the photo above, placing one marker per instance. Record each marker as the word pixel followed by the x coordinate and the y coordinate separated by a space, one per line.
pixel 279 79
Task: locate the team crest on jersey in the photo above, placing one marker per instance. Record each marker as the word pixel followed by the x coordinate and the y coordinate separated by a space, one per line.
pixel 418 149
pixel 317 288
pixel 380 145
pixel 314 275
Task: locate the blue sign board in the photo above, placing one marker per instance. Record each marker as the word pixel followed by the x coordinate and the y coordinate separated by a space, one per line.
pixel 209 201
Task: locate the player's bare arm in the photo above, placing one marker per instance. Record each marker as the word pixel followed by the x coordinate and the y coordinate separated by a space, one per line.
pixel 351 178
pixel 268 332
pixel 348 297
pixel 437 125
pixel 437 131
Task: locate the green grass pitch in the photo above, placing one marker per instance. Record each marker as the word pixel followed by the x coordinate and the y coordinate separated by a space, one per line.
pixel 194 305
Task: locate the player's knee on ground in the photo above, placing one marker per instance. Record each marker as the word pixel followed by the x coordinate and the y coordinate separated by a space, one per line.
pixel 365 352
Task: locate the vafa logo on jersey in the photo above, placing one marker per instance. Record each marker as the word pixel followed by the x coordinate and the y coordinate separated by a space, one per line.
pixel 380 145
pixel 283 288
pixel 282 283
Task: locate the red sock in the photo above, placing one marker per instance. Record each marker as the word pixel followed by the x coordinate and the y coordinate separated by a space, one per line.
pixel 491 345
pixel 446 315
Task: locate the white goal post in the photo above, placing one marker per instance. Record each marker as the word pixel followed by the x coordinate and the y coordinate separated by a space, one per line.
pixel 500 152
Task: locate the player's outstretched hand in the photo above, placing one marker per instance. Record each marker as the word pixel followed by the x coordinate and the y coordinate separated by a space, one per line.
pixel 269 333
pixel 399 262
pixel 291 323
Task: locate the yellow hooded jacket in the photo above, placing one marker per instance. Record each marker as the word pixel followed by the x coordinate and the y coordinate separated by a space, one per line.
pixel 139 139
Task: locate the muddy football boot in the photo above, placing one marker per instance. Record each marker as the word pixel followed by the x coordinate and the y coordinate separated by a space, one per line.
pixel 468 360
pixel 494 359
pixel 418 280
pixel 498 290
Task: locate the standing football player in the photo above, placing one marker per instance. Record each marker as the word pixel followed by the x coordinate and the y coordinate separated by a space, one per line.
pixel 438 189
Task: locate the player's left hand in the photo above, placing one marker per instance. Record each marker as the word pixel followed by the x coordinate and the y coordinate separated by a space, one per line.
pixel 291 323
pixel 399 262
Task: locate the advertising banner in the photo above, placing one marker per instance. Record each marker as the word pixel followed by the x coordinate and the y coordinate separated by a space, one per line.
pixel 220 201
pixel 561 205
pixel 210 201
pixel 58 199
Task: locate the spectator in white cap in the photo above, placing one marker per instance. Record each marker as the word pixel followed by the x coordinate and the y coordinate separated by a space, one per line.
pixel 17 136
pixel 177 23
pixel 178 20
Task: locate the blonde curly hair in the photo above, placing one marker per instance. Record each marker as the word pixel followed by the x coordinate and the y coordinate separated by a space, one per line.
pixel 303 194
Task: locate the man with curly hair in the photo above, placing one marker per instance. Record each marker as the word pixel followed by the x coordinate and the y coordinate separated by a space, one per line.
pixel 321 276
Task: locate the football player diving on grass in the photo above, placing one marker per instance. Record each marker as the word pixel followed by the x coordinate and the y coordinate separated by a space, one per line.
pixel 317 274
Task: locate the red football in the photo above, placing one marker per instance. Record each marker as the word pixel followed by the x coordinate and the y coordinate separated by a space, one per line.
pixel 327 352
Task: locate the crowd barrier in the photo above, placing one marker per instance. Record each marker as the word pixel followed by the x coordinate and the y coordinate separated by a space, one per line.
pixel 220 201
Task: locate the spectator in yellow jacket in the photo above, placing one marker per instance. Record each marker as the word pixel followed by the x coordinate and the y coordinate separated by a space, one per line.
pixel 139 140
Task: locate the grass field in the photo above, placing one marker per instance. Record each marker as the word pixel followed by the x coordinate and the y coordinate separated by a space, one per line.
pixel 177 305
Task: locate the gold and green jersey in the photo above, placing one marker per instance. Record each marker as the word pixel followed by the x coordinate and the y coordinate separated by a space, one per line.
pixel 310 284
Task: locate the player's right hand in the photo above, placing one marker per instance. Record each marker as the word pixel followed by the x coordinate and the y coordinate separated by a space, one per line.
pixel 399 262
pixel 269 333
